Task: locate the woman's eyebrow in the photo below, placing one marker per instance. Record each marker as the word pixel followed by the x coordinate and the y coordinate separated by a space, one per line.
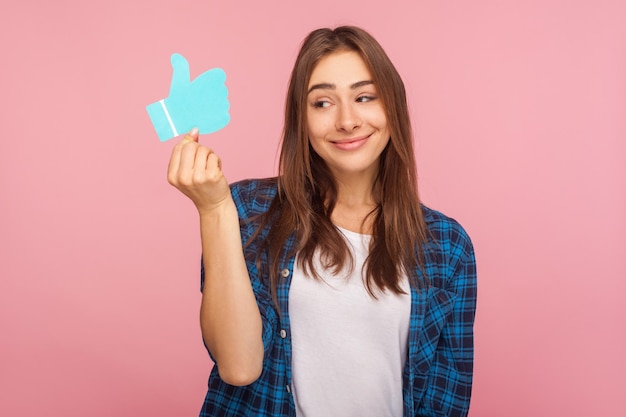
pixel 329 86
pixel 361 84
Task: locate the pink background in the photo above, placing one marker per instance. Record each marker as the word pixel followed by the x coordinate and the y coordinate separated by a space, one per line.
pixel 520 118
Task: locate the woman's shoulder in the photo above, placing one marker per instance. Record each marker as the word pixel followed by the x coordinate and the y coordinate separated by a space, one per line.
pixel 446 233
pixel 256 185
pixel 254 196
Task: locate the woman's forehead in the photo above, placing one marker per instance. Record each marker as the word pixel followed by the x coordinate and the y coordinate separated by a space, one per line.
pixel 340 69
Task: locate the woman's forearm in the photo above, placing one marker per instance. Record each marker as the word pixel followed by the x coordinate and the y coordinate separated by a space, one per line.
pixel 229 315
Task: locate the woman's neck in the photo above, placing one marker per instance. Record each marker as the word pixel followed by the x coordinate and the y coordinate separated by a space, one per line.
pixel 356 189
pixel 355 201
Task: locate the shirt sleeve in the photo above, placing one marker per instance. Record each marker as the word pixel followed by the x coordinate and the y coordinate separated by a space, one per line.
pixel 269 316
pixel 449 381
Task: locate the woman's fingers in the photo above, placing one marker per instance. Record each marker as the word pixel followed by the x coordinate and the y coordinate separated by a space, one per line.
pixel 197 172
pixel 174 164
pixel 173 168
pixel 200 164
pixel 187 161
pixel 213 167
pixel 193 164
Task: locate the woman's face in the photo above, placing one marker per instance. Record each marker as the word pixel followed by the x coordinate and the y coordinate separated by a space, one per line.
pixel 345 118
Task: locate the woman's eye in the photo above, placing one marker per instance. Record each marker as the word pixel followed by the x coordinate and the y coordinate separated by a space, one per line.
pixel 321 104
pixel 365 99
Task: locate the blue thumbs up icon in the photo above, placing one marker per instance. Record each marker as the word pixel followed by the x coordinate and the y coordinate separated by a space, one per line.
pixel 201 103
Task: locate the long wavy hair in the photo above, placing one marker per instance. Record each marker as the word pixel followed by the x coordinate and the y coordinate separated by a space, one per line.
pixel 307 191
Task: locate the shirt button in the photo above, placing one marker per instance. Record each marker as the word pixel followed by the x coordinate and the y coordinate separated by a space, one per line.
pixel 288 389
pixel 284 273
pixel 283 333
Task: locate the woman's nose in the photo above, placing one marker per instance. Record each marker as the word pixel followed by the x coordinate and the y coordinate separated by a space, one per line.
pixel 348 118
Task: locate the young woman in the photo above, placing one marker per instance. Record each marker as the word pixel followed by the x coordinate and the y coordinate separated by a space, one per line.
pixel 330 290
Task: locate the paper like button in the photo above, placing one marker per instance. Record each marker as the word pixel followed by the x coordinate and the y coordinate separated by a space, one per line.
pixel 201 103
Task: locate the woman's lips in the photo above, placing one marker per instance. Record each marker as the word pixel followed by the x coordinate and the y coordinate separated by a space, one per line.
pixel 350 144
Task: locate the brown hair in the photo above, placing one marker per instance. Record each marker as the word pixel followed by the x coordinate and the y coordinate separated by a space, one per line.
pixel 307 192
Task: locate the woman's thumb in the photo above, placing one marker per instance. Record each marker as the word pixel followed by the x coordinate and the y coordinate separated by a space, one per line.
pixel 193 134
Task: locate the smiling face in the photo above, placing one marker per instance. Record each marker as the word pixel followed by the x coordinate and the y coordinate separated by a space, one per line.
pixel 346 119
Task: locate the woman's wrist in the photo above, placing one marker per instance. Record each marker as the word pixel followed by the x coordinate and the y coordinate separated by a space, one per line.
pixel 222 209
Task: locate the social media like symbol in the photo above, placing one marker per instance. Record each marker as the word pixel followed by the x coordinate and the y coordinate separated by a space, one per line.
pixel 201 103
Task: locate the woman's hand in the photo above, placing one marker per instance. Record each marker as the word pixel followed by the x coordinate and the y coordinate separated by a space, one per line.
pixel 197 172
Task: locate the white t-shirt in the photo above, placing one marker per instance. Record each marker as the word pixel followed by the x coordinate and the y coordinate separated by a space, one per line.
pixel 348 349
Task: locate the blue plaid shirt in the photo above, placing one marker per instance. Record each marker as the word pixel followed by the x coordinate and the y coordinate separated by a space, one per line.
pixel 437 378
